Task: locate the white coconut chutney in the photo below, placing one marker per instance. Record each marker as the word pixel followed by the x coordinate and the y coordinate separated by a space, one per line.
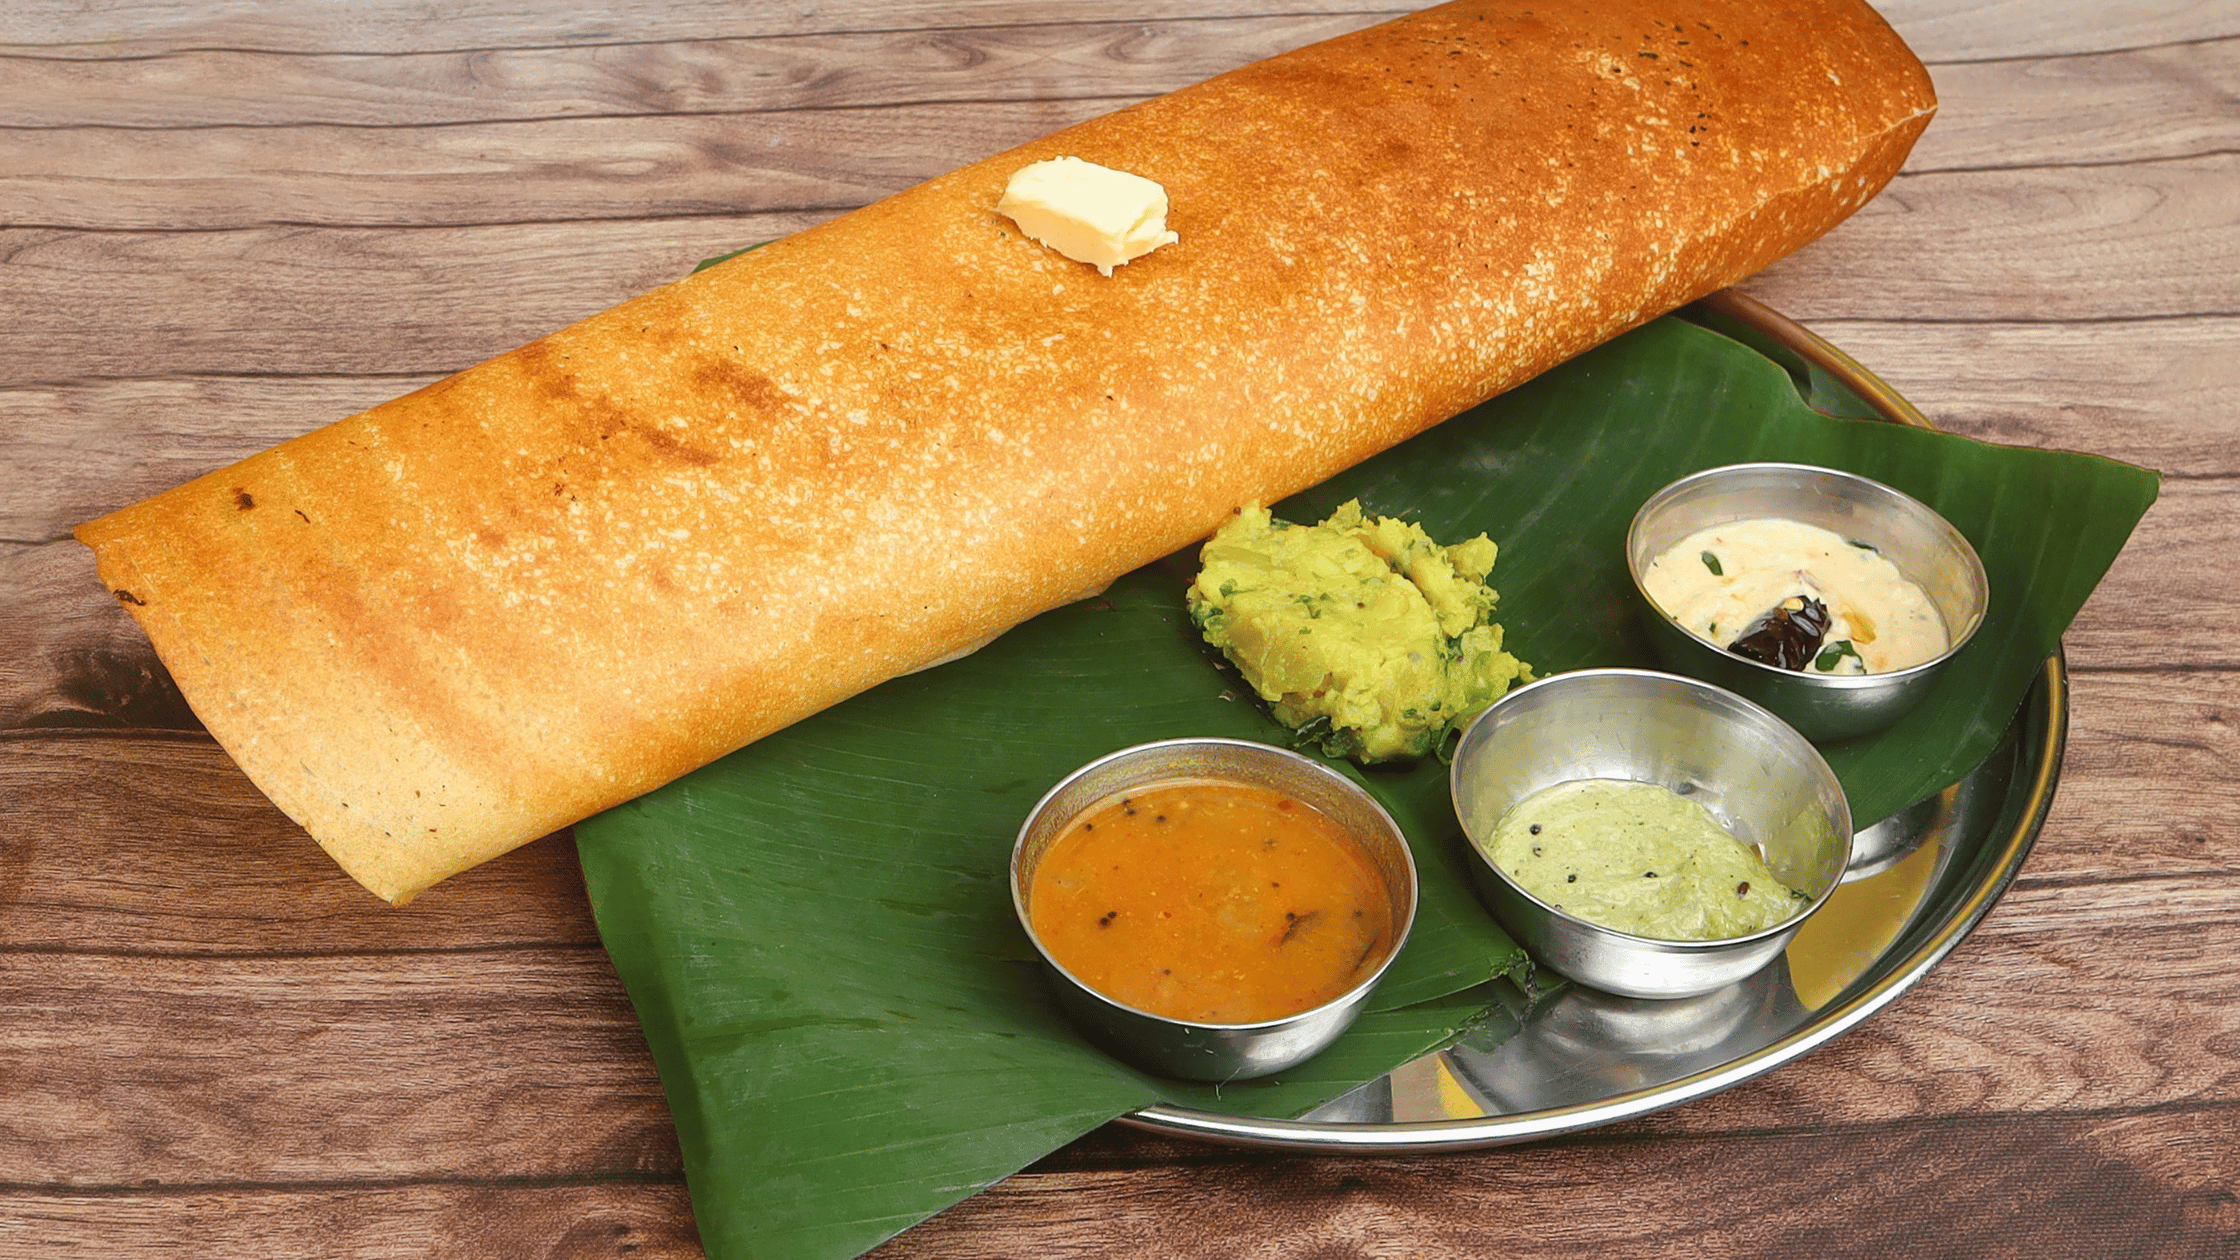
pixel 1717 582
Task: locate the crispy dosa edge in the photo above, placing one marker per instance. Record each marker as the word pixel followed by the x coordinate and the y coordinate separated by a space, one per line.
pixel 359 615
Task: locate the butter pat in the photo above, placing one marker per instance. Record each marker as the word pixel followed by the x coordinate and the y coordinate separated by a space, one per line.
pixel 1087 212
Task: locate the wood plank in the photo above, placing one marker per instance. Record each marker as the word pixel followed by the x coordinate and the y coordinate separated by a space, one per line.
pixel 294 300
pixel 2091 243
pixel 2074 996
pixel 245 1070
pixel 2074 1185
pixel 1066 60
pixel 556 163
pixel 2151 762
pixel 2150 791
pixel 69 656
pixel 2151 782
pixel 2054 897
pixel 1938 30
pixel 2151 1185
pixel 2151 759
pixel 665 167
pixel 148 28
pixel 2151 392
pixel 76 451
pixel 642 1219
pixel 2122 1014
pixel 2155 608
pixel 2109 107
pixel 2154 239
pixel 230 1069
pixel 1976 30
pixel 147 843
pixel 231 899
pixel 2164 102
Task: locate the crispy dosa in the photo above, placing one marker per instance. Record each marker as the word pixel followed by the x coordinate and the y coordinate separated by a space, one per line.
pixel 456 622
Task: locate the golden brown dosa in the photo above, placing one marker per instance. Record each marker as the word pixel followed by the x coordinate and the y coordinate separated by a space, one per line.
pixel 463 619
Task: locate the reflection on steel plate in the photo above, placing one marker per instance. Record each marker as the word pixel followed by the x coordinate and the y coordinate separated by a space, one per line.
pixel 1573 1058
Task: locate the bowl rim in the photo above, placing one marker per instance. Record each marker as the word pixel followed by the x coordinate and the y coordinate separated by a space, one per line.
pixel 1750 708
pixel 1352 996
pixel 1972 565
pixel 1947 917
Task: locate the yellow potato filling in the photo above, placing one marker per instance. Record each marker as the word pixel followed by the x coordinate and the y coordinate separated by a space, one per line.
pixel 1363 634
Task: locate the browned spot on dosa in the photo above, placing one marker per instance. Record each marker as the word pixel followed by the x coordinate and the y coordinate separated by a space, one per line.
pixel 721 376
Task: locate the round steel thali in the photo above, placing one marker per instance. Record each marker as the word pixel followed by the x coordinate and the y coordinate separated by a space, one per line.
pixel 1575 1059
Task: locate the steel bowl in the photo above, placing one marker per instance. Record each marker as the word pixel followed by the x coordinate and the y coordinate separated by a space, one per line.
pixel 1762 780
pixel 1214 1052
pixel 1924 546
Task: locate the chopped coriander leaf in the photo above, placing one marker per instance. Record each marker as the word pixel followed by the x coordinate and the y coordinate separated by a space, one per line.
pixel 1407 652
pixel 1711 562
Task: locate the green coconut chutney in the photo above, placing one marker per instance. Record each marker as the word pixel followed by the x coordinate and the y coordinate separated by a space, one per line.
pixel 1363 635
pixel 1640 858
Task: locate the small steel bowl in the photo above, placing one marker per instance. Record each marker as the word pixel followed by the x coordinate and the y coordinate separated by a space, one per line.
pixel 1214 1052
pixel 1764 782
pixel 1924 546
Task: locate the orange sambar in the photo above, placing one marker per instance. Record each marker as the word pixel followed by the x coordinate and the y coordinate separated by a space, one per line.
pixel 1211 902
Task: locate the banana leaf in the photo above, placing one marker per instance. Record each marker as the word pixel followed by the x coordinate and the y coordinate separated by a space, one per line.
pixel 817 931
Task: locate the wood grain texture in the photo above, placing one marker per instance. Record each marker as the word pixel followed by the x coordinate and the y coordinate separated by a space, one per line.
pixel 2036 1008
pixel 728 77
pixel 68 654
pixel 246 1006
pixel 2193 521
pixel 222 1068
pixel 2036 244
pixel 2136 105
pixel 80 449
pixel 1938 30
pixel 2125 105
pixel 225 223
pixel 668 166
pixel 2146 391
pixel 2151 391
pixel 1996 30
pixel 2159 1188
pixel 2152 780
pixel 230 873
pixel 301 300
pixel 2153 240
pixel 2137 241
pixel 575 1219
pixel 652 155
pixel 139 28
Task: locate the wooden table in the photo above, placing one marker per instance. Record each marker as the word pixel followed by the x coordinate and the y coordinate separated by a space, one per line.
pixel 223 224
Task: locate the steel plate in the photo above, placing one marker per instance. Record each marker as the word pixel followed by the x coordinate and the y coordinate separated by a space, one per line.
pixel 1574 1059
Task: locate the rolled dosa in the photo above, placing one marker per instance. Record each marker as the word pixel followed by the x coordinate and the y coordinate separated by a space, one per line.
pixel 463 619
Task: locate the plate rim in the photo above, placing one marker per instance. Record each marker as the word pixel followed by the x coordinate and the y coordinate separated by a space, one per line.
pixel 2046 708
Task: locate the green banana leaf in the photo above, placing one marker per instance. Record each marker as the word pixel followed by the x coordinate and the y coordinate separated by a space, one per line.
pixel 817 930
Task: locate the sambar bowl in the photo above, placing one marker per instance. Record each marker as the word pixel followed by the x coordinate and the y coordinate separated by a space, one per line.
pixel 1922 544
pixel 1765 783
pixel 1199 1051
